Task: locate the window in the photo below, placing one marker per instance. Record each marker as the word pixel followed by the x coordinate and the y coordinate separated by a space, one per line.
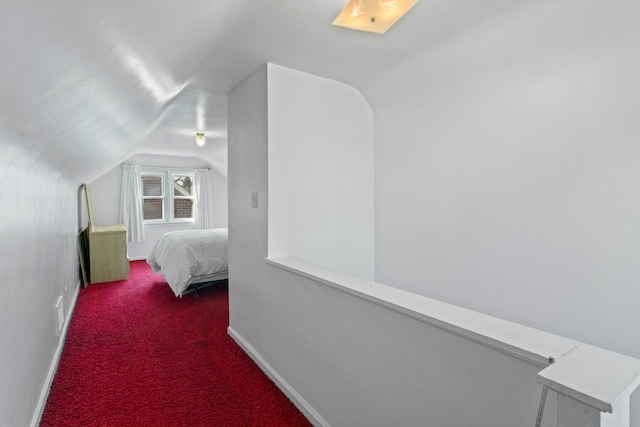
pixel 183 197
pixel 167 196
pixel 152 197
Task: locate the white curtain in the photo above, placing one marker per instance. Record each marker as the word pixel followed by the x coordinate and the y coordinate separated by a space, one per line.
pixel 204 200
pixel 130 203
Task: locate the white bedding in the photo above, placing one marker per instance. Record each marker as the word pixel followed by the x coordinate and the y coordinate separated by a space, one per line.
pixel 183 256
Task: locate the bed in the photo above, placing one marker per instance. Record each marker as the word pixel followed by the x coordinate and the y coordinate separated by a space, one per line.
pixel 190 258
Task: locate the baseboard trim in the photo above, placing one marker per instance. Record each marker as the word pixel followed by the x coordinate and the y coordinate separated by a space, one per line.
pixel 312 415
pixel 44 394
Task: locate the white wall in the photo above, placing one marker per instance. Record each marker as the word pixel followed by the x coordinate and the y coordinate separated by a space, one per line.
pixel 38 263
pixel 247 133
pixel 507 170
pixel 105 192
pixel 219 187
pixel 349 362
pixel 320 172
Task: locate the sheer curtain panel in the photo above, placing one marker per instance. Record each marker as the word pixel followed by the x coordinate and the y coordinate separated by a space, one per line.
pixel 131 207
pixel 204 200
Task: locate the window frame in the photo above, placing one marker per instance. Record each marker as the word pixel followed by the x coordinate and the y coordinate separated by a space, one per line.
pixel 168 197
pixel 162 197
pixel 174 197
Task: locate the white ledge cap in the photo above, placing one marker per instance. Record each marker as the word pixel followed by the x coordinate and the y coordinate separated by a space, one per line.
pixel 526 343
pixel 594 376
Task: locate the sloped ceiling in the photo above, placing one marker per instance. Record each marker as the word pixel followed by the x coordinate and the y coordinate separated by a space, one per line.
pixel 86 84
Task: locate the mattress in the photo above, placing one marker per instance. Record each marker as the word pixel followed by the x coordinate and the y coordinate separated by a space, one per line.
pixel 191 256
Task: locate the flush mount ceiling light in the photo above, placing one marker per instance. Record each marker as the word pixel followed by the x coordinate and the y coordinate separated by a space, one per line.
pixel 375 16
pixel 200 139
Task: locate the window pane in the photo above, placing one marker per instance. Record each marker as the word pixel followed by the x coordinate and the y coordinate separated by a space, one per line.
pixel 151 209
pixel 182 185
pixel 182 208
pixel 151 185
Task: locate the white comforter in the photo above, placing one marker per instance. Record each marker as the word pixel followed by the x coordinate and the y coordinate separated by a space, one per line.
pixel 182 256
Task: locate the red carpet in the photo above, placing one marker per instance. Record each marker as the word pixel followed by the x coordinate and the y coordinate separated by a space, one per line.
pixel 135 355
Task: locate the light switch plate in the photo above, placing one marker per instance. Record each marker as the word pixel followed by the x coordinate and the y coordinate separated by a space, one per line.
pixel 254 199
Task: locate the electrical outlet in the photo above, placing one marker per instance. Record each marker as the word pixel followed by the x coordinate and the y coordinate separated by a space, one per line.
pixel 59 308
pixel 254 199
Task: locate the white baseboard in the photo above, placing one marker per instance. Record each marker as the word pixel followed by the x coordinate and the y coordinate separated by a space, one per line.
pixel 44 394
pixel 312 415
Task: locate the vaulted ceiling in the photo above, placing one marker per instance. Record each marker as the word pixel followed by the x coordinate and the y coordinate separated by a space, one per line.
pixel 84 85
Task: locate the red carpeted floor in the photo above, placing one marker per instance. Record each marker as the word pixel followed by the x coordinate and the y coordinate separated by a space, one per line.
pixel 135 355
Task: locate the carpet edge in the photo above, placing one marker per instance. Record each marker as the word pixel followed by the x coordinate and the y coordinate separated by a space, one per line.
pixel 309 412
pixel 46 387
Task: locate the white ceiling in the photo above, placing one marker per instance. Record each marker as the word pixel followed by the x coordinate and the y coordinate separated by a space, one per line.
pixel 86 84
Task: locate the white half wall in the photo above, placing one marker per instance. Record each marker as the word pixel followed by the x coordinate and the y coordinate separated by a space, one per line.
pixel 105 192
pixel 507 171
pixel 349 362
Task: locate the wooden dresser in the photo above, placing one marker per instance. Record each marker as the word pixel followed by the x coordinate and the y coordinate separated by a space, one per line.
pixel 107 249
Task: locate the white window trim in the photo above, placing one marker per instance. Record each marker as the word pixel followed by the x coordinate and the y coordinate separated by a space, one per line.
pixel 168 197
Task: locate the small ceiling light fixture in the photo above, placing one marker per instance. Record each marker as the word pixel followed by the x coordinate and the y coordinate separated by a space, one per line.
pixel 375 16
pixel 200 139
